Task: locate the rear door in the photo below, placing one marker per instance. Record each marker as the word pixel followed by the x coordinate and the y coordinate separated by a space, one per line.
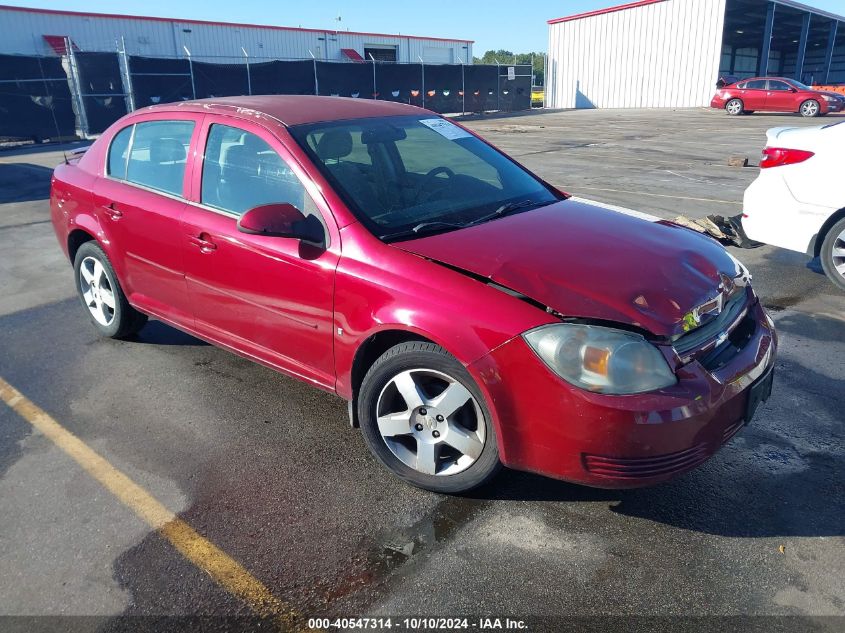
pixel 140 202
pixel 268 297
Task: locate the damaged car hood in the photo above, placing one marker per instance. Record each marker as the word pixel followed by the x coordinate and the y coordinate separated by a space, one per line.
pixel 585 261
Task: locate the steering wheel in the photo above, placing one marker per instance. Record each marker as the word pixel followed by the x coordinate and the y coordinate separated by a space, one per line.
pixel 428 178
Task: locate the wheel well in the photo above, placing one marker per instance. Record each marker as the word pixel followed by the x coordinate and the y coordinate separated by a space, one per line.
pixel 833 219
pixel 76 239
pixel 368 353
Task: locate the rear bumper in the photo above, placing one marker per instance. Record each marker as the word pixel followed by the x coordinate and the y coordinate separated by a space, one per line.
pixel 718 103
pixel 549 427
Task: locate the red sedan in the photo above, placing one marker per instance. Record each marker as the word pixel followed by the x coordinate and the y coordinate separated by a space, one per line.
pixel 776 94
pixel 470 313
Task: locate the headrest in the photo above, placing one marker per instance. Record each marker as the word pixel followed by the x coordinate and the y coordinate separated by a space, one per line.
pixel 253 143
pixel 334 144
pixel 241 159
pixel 167 150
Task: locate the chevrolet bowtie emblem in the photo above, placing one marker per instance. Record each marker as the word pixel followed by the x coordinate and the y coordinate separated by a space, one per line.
pixel 712 308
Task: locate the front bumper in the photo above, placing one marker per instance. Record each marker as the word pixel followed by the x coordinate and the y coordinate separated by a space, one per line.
pixel 835 106
pixel 547 426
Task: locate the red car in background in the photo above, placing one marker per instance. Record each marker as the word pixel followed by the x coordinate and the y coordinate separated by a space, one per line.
pixel 776 94
pixel 470 313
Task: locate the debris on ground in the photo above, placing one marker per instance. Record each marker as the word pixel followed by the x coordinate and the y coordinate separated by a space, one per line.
pixel 728 231
pixel 738 161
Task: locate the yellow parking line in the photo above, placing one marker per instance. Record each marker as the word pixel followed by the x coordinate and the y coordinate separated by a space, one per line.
pixel 226 571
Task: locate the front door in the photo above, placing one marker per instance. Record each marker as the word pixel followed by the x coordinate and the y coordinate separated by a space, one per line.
pixel 780 97
pixel 268 297
pixel 140 201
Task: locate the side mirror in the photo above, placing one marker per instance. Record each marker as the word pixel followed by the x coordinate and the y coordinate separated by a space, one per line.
pixel 281 220
pixel 793 90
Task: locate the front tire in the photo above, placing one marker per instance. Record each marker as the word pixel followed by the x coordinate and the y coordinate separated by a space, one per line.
pixel 424 418
pixel 810 109
pixel 833 254
pixel 101 294
pixel 735 107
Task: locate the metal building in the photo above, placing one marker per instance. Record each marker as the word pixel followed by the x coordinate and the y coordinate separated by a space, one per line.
pixel 27 31
pixel 670 53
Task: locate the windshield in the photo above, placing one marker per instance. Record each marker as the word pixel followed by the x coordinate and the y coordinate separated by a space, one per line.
pixel 418 174
pixel 799 85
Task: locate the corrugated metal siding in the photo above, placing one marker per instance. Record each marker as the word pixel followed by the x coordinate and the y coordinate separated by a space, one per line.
pixel 22 34
pixel 655 56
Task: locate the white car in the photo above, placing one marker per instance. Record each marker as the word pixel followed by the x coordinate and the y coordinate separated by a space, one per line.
pixel 798 200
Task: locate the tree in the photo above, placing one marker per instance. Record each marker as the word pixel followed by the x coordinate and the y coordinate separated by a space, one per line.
pixel 507 57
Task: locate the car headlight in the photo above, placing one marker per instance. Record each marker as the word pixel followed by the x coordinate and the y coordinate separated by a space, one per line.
pixel 830 99
pixel 600 359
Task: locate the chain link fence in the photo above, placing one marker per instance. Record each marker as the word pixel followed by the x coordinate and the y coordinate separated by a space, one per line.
pixel 81 93
pixel 35 99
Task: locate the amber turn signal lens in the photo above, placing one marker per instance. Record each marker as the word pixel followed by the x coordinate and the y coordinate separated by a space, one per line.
pixel 596 360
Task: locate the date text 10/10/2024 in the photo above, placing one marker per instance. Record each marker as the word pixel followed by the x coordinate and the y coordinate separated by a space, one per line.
pixel 417 624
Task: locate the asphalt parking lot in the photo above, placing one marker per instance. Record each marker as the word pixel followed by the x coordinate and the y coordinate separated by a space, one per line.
pixel 268 471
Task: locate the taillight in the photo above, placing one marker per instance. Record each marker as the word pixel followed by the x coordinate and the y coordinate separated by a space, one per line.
pixel 778 157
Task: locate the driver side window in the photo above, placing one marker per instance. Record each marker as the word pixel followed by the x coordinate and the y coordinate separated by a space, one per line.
pixel 241 171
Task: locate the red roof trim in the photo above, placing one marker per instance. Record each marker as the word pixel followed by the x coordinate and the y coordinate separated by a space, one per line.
pixel 352 54
pixel 4 7
pixel 621 7
pixel 57 43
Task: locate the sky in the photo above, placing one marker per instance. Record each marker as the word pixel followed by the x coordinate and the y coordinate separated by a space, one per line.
pixel 493 24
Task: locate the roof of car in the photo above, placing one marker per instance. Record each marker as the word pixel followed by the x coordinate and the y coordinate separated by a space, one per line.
pixel 297 109
pixel 787 79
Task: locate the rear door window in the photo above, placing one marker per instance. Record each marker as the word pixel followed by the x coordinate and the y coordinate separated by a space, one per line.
pixel 119 153
pixel 158 155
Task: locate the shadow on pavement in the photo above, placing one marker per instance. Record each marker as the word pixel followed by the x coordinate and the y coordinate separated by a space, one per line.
pixel 158 333
pixel 23 182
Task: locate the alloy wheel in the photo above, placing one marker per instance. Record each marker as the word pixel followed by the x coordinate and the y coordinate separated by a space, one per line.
pixel 810 109
pixel 838 254
pixel 97 291
pixel 431 422
pixel 735 107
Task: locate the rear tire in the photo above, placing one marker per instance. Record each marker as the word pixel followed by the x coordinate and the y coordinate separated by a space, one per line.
pixel 735 107
pixel 810 109
pixel 101 295
pixel 425 419
pixel 833 254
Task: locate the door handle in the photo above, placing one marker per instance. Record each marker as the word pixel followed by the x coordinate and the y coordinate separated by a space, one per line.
pixel 113 212
pixel 205 245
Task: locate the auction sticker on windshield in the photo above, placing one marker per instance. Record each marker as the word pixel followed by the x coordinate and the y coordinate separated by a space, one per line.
pixel 445 128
